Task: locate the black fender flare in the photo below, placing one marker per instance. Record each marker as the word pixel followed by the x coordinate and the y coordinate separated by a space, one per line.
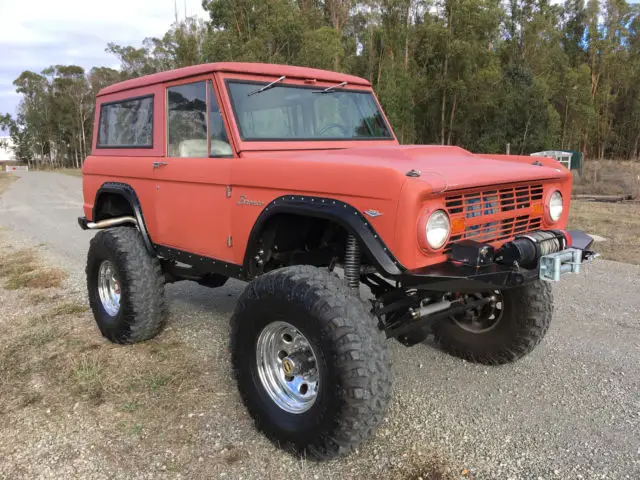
pixel 129 194
pixel 343 214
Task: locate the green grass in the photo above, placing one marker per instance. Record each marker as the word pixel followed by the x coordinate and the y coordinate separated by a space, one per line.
pixel 131 406
pixel 158 380
pixel 136 429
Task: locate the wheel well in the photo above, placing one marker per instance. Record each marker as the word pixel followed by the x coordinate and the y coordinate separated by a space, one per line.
pixel 290 239
pixel 111 205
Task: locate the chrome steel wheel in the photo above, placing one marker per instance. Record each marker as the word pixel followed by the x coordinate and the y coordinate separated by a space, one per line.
pixel 287 367
pixel 109 288
pixel 484 318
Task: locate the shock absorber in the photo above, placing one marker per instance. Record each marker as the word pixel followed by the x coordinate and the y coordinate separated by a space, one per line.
pixel 352 263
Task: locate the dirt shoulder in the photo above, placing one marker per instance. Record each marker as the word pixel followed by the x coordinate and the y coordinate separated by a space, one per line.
pixel 6 180
pixel 75 406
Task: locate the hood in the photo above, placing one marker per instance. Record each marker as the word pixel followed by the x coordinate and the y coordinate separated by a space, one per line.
pixel 443 168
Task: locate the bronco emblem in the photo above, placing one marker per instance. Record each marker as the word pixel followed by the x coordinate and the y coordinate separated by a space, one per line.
pixel 245 201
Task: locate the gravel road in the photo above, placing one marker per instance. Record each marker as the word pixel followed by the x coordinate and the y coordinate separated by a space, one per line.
pixel 571 409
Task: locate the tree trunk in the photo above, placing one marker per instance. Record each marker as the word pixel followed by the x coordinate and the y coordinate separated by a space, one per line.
pixel 84 137
pixel 372 53
pixel 380 68
pixel 444 77
pixel 453 112
pixel 51 152
pixel 406 37
pixel 444 99
pixel 524 137
pixel 566 121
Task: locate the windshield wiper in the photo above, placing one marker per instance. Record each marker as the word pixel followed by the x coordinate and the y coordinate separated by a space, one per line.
pixel 330 89
pixel 268 86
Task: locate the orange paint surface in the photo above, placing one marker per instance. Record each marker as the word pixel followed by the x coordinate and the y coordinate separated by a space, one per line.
pixel 185 205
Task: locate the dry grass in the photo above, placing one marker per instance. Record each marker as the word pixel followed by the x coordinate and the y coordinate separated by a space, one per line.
pixel 619 223
pixel 54 355
pixel 23 269
pixel 74 172
pixel 37 297
pixel 431 468
pixel 608 177
pixel 5 180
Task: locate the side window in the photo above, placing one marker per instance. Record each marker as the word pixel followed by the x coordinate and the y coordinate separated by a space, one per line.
pixel 126 124
pixel 187 120
pixel 220 146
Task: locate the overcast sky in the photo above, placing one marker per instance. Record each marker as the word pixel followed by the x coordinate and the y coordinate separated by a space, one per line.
pixel 35 34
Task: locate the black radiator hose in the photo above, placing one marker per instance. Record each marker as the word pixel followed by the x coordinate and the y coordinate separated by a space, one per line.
pixel 527 249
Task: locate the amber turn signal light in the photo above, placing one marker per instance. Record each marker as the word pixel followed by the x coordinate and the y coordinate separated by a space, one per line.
pixel 458 225
pixel 537 209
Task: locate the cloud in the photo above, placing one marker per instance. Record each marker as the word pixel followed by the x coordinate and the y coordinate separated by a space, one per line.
pixel 38 33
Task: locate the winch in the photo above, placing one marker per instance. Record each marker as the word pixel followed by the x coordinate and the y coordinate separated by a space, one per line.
pixel 527 249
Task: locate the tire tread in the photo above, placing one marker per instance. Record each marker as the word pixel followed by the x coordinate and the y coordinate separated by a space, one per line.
pixel 143 307
pixel 361 355
pixel 533 311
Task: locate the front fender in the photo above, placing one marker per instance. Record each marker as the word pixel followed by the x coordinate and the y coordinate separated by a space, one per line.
pixel 337 211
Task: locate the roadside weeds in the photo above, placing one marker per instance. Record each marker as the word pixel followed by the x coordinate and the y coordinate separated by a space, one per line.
pixel 618 223
pixel 150 400
pixel 5 180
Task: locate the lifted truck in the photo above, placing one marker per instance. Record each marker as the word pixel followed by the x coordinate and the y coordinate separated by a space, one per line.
pixel 284 176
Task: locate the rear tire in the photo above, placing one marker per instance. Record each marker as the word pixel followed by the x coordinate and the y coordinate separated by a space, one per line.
pixel 136 311
pixel 349 357
pixel 524 322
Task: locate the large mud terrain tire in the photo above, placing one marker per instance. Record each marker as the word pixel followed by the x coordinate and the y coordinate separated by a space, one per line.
pixel 125 285
pixel 303 317
pixel 524 318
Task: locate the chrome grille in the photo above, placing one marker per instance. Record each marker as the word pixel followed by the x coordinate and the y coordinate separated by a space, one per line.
pixel 509 210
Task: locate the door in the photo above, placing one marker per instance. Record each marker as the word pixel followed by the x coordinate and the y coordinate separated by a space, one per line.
pixel 192 208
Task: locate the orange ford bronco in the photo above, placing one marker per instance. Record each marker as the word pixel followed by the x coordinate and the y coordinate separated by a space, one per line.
pixel 292 179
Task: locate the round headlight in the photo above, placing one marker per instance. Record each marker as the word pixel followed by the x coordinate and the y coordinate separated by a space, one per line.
pixel 555 206
pixel 438 229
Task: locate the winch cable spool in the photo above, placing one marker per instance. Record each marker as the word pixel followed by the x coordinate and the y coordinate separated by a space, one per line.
pixel 527 249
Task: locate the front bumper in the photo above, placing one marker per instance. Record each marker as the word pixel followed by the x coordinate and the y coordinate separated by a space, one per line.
pixel 453 276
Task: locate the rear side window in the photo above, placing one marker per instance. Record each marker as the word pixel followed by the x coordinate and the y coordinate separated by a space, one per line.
pixel 126 123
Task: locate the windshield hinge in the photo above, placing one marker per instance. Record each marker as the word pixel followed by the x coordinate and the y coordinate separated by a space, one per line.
pixel 228 192
pixel 229 241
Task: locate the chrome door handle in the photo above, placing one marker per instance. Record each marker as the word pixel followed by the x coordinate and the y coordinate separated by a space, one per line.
pixel 159 164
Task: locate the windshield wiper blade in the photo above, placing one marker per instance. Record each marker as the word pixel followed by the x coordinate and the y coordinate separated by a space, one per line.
pixel 330 89
pixel 268 86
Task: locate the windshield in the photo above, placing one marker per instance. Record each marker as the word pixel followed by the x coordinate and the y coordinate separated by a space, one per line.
pixel 287 112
